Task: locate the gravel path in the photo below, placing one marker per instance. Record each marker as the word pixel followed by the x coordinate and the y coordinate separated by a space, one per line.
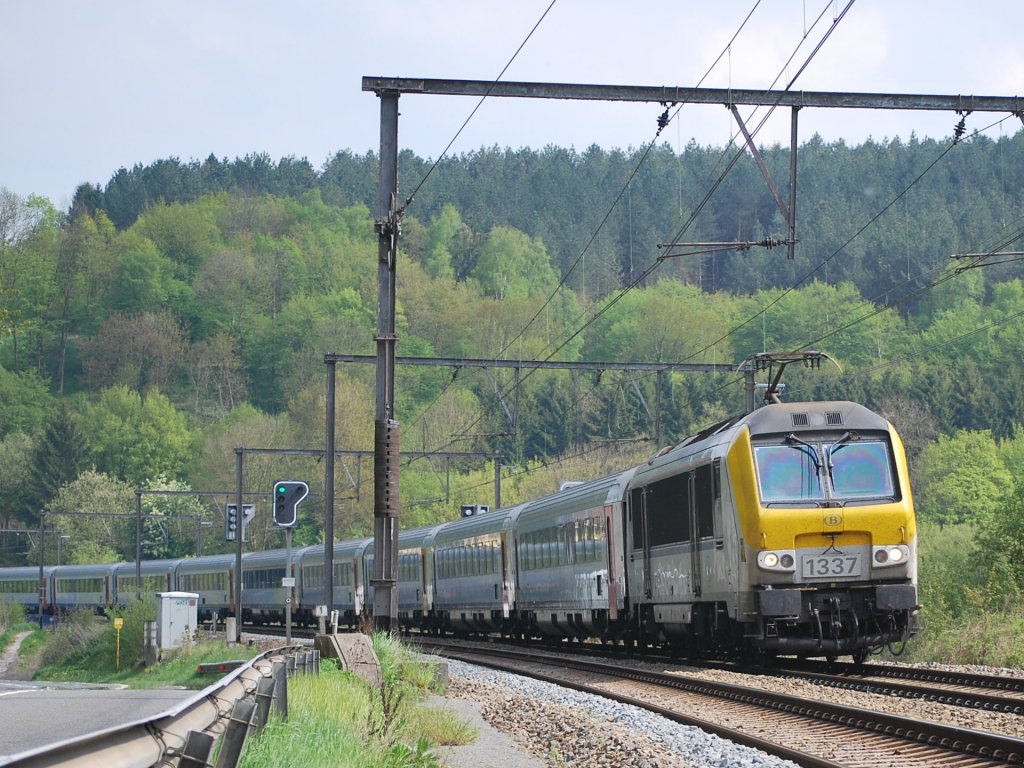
pixel 9 658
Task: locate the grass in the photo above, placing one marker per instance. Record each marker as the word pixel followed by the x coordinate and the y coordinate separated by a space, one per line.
pixel 8 634
pixel 84 648
pixel 335 718
pixel 994 639
pixel 338 719
pixel 12 619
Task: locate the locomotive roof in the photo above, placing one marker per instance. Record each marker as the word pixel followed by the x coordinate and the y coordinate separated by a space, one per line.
pixel 774 419
pixel 813 416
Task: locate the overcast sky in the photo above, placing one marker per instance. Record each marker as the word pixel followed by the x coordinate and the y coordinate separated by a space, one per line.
pixel 90 87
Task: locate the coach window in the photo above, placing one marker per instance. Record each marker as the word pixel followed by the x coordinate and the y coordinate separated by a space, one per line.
pixel 600 540
pixel 315 576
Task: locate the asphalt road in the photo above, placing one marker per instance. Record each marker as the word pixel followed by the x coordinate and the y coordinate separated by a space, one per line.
pixel 35 714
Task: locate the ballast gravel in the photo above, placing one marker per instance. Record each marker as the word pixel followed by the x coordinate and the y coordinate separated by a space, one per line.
pixel 563 727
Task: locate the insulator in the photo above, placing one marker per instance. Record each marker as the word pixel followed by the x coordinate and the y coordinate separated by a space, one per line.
pixel 385 467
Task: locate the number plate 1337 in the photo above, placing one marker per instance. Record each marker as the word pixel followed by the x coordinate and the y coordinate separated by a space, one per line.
pixel 829 566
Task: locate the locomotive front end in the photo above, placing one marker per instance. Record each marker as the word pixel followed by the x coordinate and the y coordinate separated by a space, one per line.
pixel 823 499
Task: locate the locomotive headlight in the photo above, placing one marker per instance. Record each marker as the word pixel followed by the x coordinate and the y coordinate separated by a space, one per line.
pixel 889 556
pixel 779 561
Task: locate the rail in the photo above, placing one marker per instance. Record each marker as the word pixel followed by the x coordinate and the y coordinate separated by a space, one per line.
pixel 233 708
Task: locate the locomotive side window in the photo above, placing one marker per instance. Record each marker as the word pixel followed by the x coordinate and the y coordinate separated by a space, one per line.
pixel 708 499
pixel 861 469
pixel 787 473
pixel 668 510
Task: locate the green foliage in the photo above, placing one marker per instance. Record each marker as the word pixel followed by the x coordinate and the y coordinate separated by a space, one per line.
pixel 1000 540
pixel 25 402
pixel 961 478
pixel 84 646
pixel 949 572
pixel 16 475
pixel 135 437
pixel 56 459
pixel 12 615
pixel 184 309
pixel 989 638
pixel 337 718
pixel 69 653
pixel 94 538
pixel 512 265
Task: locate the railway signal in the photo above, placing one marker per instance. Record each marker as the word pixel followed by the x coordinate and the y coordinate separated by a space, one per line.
pixel 232 523
pixel 288 494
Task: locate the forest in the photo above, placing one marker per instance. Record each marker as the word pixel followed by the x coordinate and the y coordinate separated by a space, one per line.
pixel 183 310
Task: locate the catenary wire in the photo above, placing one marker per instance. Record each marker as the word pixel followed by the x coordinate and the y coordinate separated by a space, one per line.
pixel 600 227
pixel 655 264
pixel 479 103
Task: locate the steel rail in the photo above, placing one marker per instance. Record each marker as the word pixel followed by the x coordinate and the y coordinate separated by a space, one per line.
pixel 144 743
pixel 955 742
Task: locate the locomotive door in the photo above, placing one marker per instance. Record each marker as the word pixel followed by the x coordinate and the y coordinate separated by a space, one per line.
pixel 691 513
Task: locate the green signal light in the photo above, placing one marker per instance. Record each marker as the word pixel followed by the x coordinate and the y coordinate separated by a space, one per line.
pixel 281 489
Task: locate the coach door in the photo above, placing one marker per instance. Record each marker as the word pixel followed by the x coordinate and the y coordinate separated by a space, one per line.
pixel 506 608
pixel 613 567
pixel 641 540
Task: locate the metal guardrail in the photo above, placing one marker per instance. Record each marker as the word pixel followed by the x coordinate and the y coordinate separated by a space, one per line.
pixel 231 709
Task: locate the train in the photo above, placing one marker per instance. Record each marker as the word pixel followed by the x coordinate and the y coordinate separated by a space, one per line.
pixel 788 530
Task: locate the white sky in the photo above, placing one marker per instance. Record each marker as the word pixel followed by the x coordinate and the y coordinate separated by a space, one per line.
pixel 90 87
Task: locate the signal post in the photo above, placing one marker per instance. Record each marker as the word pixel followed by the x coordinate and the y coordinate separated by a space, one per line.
pixel 288 494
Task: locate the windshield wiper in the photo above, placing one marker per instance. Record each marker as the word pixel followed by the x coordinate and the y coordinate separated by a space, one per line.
pixel 846 437
pixel 806 448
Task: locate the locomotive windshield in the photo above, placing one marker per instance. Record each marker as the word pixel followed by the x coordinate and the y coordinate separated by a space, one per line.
pixel 847 469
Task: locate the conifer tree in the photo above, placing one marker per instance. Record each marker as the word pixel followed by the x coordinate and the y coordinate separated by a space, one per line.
pixel 57 459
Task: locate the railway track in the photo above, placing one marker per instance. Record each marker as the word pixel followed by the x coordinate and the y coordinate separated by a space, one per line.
pixel 962 689
pixel 995 693
pixel 807 731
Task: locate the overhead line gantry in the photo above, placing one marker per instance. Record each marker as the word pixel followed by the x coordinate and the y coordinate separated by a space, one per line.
pixel 388 227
